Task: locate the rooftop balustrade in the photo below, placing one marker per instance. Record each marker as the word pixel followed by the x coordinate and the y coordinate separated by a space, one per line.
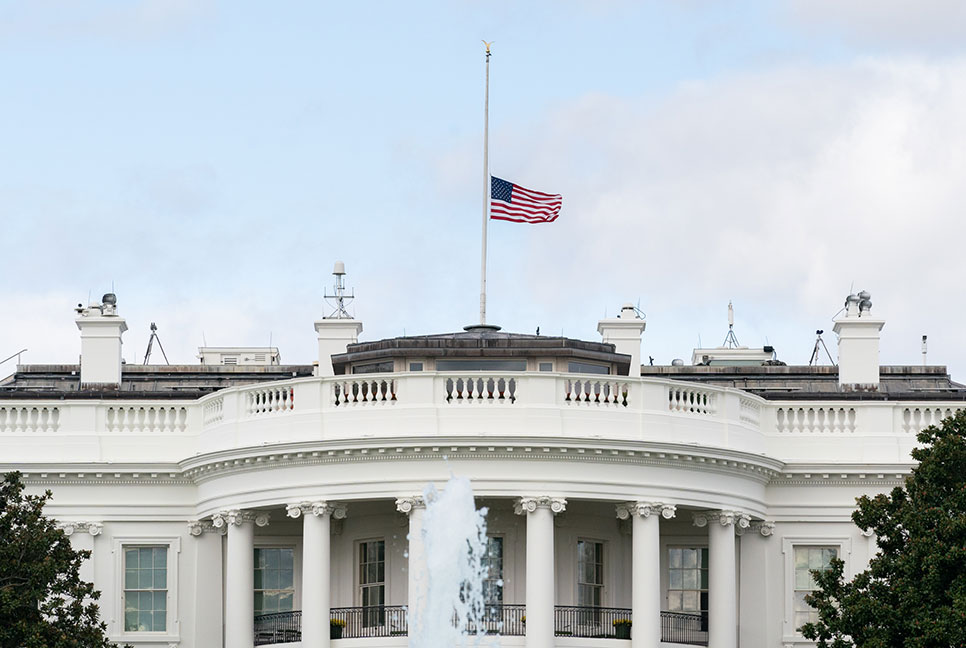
pixel 468 404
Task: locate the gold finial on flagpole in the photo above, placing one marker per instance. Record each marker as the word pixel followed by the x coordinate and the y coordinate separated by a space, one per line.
pixel 488 46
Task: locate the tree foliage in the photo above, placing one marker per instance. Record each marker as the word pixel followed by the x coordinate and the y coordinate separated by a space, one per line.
pixel 43 601
pixel 913 595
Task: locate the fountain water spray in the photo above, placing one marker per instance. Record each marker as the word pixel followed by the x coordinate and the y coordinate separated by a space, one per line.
pixel 454 541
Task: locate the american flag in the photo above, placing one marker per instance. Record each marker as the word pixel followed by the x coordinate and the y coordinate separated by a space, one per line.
pixel 512 202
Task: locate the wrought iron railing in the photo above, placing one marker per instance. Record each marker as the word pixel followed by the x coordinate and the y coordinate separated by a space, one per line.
pixel 588 622
pixel 372 621
pixel 684 628
pixel 280 627
pixel 507 620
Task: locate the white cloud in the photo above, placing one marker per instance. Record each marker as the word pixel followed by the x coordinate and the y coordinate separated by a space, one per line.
pixel 929 24
pixel 778 189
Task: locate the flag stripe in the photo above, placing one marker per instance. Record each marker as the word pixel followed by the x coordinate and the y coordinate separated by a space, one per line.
pixel 517 204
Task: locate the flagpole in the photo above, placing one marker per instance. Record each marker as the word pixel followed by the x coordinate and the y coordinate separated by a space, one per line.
pixel 486 183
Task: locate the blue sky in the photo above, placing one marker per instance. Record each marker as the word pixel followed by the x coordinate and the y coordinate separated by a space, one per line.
pixel 212 160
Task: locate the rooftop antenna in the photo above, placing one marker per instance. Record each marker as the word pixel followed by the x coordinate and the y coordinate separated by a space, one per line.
pixel 340 296
pixel 819 342
pixel 730 341
pixel 923 350
pixel 154 336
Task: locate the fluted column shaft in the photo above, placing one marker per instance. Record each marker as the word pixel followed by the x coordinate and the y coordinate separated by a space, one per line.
pixel 722 577
pixel 540 567
pixel 240 575
pixel 316 568
pixel 415 507
pixel 645 569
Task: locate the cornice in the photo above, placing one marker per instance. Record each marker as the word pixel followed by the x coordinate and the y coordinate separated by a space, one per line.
pixel 101 475
pixel 720 460
pixel 843 475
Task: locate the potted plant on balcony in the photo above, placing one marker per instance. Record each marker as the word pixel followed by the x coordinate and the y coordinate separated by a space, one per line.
pixel 622 628
pixel 335 628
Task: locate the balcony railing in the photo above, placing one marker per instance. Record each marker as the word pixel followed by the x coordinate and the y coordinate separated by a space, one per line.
pixel 372 621
pixel 588 622
pixel 281 627
pixel 507 620
pixel 684 628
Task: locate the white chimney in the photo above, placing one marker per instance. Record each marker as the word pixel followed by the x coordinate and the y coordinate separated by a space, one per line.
pixel 101 330
pixel 858 334
pixel 334 336
pixel 624 332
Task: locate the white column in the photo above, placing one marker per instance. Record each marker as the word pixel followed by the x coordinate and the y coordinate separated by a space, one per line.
pixel 722 581
pixel 645 569
pixel 316 568
pixel 208 583
pixel 82 536
pixel 240 575
pixel 415 507
pixel 540 567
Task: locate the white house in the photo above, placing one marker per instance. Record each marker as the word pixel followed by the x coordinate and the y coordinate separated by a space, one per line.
pixel 238 503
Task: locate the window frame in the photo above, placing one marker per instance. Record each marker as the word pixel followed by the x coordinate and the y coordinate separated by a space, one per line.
pixel 844 546
pixel 666 574
pixel 356 563
pixel 296 569
pixel 603 570
pixel 172 632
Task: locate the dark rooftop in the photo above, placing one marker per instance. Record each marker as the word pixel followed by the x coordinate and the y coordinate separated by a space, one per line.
pixel 143 381
pixel 821 382
pixel 479 342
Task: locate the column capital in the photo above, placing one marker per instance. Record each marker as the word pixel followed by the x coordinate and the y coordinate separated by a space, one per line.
pixel 93 528
pixel 198 527
pixel 408 504
pixel 645 509
pixel 317 508
pixel 763 527
pixel 524 505
pixel 237 517
pixel 724 518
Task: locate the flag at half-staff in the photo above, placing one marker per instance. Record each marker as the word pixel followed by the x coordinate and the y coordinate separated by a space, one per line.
pixel 511 202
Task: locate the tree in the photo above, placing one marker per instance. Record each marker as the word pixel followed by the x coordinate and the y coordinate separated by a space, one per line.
pixel 43 601
pixel 913 595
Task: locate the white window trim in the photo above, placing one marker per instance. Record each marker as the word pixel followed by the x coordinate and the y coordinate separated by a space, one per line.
pixel 673 543
pixel 116 626
pixel 286 542
pixel 604 589
pixel 357 588
pixel 681 542
pixel 844 546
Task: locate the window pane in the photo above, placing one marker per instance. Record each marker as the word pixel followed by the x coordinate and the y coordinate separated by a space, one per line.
pixel 270 579
pixel 674 558
pixel 803 579
pixel 259 604
pixel 131 558
pixel 285 600
pixel 160 558
pixel 160 621
pixel 145 558
pixel 160 579
pixel 689 600
pixel 258 579
pixel 814 558
pixel 271 556
pixel 145 622
pixel 690 558
pixel 130 578
pixel 690 579
pixel 160 600
pixel 674 601
pixel 287 559
pixel 676 580
pixel 130 621
pixel 145 578
pixel 801 557
pixel 285 579
pixel 704 579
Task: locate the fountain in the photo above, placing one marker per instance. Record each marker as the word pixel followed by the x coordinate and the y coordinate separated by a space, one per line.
pixel 454 541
